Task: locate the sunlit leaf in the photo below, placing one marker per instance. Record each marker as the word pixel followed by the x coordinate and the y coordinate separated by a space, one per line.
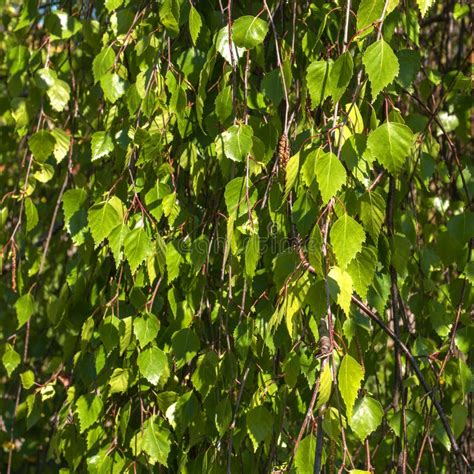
pixel 381 65
pixel 249 31
pixel 390 144
pixel 349 378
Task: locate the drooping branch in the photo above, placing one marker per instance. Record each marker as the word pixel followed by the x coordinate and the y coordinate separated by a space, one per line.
pixel 429 391
pixel 461 459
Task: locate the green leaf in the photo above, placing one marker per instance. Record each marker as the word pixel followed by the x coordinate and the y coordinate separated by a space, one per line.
pixel 291 173
pixel 195 24
pixel 317 77
pixel 103 218
pixel 3 216
pixel 156 442
pixel 235 198
pixel 204 377
pixel 21 112
pixel 349 377
pixel 73 201
pixel 465 377
pixel 10 359
pixel 224 46
pixel 381 65
pixel 146 328
pixel 45 78
pixel 390 144
pixel 347 237
pixel 153 365
pixel 372 213
pixel 368 12
pixel 291 369
pixel 315 255
pixel 173 261
pixel 62 144
pixel 41 145
pixel 31 215
pixel 101 145
pixel 330 175
pixel 410 63
pixel 112 5
pixel 75 214
pixel 461 227
pixel 185 344
pixel 154 198
pixel 272 86
pixel 401 248
pixel 223 416
pixel 366 417
pixel 113 87
pixel 340 286
pixel 45 173
pixel 169 16
pixel 424 6
pixel 88 409
pixel 259 425
pixel 362 270
pixel 116 239
pixel 459 415
pixel 160 252
pixel 249 31
pixel 61 25
pixel 137 247
pixel 224 104
pixel 25 308
pixel 59 94
pixel 170 207
pixel 252 255
pixel 237 142
pixel 27 379
pixel 304 457
pixel 325 385
pixel 414 424
pixel 119 380
pixel 182 413
pixel 341 75
pixel 103 63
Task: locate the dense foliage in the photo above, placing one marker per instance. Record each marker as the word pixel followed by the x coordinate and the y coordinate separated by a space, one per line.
pixel 235 236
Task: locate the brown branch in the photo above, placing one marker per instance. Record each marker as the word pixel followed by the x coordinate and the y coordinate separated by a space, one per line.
pixel 395 317
pixel 460 457
pixel 429 391
pixel 232 426
pixel 309 413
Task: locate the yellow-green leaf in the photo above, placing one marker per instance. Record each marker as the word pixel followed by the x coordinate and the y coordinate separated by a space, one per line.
pixel 349 378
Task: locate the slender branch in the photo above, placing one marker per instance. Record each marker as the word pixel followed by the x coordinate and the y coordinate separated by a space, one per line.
pixel 394 297
pixel 232 58
pixel 429 391
pixel 309 414
pixel 319 446
pixel 234 420
pixel 55 212
pixel 460 457
pixel 280 65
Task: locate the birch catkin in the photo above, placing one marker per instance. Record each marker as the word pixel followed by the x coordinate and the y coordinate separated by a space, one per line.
pixel 283 151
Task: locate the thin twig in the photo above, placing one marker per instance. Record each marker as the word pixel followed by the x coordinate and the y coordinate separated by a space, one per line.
pixel 234 420
pixel 429 391
pixel 461 458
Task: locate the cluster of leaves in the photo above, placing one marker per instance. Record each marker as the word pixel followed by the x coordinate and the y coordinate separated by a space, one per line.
pixel 235 238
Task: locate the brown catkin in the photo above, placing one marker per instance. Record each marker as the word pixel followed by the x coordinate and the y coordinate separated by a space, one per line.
pixel 283 151
pixel 13 250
